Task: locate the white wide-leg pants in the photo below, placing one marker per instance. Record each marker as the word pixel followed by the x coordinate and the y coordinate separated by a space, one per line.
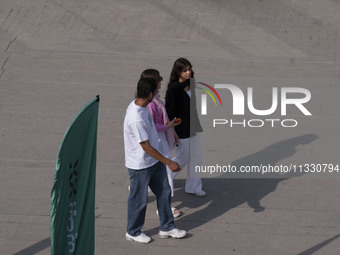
pixel 189 153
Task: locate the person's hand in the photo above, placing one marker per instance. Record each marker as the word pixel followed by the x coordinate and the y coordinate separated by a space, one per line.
pixel 173 123
pixel 174 166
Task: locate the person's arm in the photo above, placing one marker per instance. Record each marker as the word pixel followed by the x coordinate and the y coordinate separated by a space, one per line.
pixel 176 137
pixel 170 104
pixel 155 154
pixel 153 111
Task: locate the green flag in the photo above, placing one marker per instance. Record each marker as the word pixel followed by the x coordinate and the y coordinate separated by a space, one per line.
pixel 73 193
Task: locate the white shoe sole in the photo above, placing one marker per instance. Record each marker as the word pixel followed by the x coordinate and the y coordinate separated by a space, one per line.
pixel 167 236
pixel 131 239
pixel 173 236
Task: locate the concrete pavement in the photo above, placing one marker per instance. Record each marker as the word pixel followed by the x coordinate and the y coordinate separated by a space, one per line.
pixel 55 56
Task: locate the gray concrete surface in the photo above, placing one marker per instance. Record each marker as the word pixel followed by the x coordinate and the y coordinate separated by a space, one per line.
pixel 55 56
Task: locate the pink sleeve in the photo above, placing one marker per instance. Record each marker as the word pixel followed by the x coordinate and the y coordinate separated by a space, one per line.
pixel 157 117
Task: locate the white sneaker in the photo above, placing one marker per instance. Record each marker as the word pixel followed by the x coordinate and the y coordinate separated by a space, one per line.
pixel 174 233
pixel 199 194
pixel 142 238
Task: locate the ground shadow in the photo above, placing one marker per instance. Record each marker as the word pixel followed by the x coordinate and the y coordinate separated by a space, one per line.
pixel 319 246
pixel 35 248
pixel 225 193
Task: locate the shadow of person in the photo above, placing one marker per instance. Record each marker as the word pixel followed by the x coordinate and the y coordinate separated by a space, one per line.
pixel 232 190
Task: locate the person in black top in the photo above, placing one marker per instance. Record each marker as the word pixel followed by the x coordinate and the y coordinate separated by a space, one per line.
pixel 180 102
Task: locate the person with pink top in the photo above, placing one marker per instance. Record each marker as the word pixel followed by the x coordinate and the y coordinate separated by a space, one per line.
pixel 165 128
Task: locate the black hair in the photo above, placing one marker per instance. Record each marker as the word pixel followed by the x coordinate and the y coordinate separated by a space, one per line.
pixel 146 86
pixel 151 73
pixel 179 65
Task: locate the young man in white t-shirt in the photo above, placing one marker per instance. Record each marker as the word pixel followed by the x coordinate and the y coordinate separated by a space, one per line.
pixel 146 167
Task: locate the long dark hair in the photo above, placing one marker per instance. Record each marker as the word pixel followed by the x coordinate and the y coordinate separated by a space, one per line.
pixel 177 69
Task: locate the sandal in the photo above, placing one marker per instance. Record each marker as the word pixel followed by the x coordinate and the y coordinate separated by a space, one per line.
pixel 175 212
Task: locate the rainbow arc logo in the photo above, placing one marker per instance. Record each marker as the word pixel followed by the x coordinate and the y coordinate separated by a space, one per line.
pixel 204 97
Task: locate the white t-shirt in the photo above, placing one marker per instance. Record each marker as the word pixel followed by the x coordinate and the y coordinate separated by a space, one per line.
pixel 139 127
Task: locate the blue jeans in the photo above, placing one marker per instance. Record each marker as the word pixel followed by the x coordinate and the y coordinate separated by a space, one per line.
pixel 156 178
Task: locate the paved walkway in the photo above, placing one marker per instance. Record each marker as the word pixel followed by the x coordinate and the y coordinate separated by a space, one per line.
pixel 55 56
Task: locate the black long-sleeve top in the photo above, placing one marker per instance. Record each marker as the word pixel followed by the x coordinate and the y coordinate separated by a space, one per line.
pixel 177 104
